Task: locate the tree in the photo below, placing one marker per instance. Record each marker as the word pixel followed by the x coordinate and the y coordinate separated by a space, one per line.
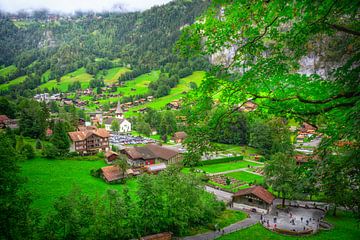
pixel 32 118
pixel 28 151
pixel 267 65
pixel 122 164
pixel 280 175
pixel 17 219
pixel 115 126
pixel 60 139
pixel 261 137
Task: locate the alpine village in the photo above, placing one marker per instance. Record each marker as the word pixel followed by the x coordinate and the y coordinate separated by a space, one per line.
pixel 182 119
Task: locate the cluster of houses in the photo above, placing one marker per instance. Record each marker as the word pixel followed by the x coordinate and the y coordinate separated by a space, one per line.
pixel 98 118
pixel 151 158
pixel 306 131
pixel 6 122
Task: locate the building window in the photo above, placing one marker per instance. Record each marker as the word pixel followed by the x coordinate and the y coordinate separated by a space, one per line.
pixel 250 200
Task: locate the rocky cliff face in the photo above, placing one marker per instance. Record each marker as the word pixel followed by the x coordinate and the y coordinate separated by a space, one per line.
pixel 47 40
pixel 324 55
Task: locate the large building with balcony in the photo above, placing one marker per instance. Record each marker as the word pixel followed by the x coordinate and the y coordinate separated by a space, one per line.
pixel 89 140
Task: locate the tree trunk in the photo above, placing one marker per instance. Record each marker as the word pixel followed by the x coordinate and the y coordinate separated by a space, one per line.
pixel 334 213
pixel 283 202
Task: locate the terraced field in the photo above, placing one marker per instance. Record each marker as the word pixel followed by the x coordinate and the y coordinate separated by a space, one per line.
pixel 18 80
pixel 7 70
pixel 112 75
pixel 175 93
pixel 79 75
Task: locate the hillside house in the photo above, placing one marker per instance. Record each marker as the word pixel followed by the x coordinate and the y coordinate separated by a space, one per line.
pixel 256 197
pixel 248 106
pixel 179 137
pixel 174 105
pixel 151 154
pixel 111 156
pixel 112 174
pixel 89 141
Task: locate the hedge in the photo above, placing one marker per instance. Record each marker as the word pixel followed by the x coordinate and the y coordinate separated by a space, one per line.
pixel 221 160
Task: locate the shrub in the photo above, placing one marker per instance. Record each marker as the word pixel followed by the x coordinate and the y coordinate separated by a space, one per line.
pixel 28 151
pixel 38 144
pixel 95 172
pixel 221 160
pixel 51 152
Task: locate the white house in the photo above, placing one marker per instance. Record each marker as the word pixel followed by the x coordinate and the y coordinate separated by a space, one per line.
pixel 124 124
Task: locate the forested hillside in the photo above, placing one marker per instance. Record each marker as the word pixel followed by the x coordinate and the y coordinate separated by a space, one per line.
pixel 44 48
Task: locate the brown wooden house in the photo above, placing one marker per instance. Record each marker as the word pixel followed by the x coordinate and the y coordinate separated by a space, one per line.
pixel 255 197
pixel 151 154
pixel 179 137
pixel 111 156
pixel 89 141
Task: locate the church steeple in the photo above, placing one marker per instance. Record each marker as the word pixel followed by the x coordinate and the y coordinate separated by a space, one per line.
pixel 119 112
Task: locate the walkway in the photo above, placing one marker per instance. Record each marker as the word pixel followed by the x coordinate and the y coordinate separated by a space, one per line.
pixel 226 172
pixel 253 219
pixel 220 195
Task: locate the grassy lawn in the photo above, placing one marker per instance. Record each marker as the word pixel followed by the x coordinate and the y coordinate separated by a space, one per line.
pixel 246 177
pixel 50 179
pixel 139 83
pixel 16 81
pixel 46 76
pixel 243 150
pixel 226 218
pixel 345 227
pixel 222 167
pixel 7 70
pixel 113 74
pixel 79 75
pixel 175 93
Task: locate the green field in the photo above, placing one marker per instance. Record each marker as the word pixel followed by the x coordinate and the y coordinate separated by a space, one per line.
pixel 79 75
pixel 112 75
pixel 16 81
pixel 345 228
pixel 175 93
pixel 222 167
pixel 246 177
pixel 140 83
pixel 7 70
pixel 50 179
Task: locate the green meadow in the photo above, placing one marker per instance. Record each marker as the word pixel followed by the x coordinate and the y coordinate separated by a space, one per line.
pixel 175 93
pixel 49 179
pixel 79 75
pixel 16 81
pixel 7 70
pixel 112 75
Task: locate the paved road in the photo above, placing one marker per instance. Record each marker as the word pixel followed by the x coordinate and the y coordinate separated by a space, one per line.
pixel 253 219
pixel 220 195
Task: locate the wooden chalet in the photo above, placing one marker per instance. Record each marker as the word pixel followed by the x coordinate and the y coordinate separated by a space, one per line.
pixel 179 137
pixel 111 156
pixel 248 106
pixel 151 154
pixel 4 121
pixel 175 105
pixel 112 174
pixel 89 141
pixel 255 197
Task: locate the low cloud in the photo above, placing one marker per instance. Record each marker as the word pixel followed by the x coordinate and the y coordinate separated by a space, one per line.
pixel 70 6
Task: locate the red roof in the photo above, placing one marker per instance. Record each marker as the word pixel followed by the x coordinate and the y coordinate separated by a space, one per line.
pixel 259 192
pixel 111 173
pixel 82 135
pixel 4 118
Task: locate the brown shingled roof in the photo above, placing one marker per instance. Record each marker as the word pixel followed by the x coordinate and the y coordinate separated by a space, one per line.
pixel 82 135
pixel 4 118
pixel 259 192
pixel 111 173
pixel 151 151
pixel 109 153
pixel 162 152
pixel 180 135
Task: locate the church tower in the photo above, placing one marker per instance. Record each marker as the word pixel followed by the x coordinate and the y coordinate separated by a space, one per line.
pixel 119 113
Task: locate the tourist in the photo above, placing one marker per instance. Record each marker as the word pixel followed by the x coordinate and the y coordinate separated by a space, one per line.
pixel 275 226
pixel 274 219
pixel 307 223
pixel 301 219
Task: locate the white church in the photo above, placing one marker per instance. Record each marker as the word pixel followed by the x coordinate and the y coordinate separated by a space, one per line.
pixel 124 124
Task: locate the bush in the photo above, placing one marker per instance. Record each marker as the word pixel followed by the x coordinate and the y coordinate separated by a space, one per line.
pixel 221 160
pixel 95 172
pixel 38 144
pixel 28 151
pixel 51 152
